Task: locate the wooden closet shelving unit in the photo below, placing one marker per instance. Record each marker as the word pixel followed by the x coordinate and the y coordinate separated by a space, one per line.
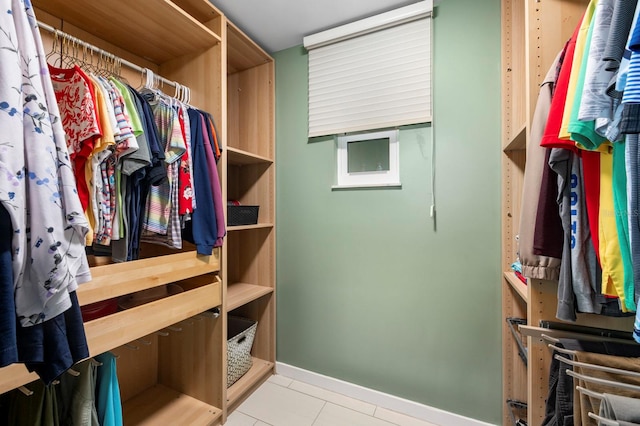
pixel 249 167
pixel 172 352
pixel 533 33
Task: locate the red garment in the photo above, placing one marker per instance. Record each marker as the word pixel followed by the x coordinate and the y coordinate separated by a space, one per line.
pixel 591 179
pixel 554 120
pixel 185 194
pixel 77 103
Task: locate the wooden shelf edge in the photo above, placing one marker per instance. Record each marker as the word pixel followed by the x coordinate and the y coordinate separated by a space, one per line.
pixel 239 294
pixel 160 405
pixel 518 141
pixel 114 330
pixel 259 372
pixel 15 375
pixel 247 227
pixel 520 287
pixel 117 279
pixel 241 157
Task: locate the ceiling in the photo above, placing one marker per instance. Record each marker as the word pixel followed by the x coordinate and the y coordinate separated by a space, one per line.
pixel 279 24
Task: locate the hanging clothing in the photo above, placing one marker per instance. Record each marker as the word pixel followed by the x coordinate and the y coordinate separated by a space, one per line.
pixel 109 405
pixel 38 188
pixel 536 266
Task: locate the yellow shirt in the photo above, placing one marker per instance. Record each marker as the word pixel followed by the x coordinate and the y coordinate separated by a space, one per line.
pixel 576 65
pixel 610 257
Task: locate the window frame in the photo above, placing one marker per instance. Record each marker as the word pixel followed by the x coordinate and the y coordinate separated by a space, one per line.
pixel 383 178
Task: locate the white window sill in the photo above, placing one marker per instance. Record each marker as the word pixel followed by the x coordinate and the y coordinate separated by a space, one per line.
pixel 368 185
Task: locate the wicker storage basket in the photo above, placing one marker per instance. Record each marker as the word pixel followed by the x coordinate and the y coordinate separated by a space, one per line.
pixel 240 335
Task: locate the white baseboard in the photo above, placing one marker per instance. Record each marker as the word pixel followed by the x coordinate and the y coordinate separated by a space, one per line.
pixel 384 400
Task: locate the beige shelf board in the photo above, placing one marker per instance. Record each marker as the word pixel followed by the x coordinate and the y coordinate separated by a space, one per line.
pixel 242 52
pixel 239 294
pixel 518 141
pixel 160 405
pixel 156 30
pixel 247 227
pixel 15 375
pixel 517 285
pixel 240 157
pixel 122 278
pixel 259 371
pixel 114 330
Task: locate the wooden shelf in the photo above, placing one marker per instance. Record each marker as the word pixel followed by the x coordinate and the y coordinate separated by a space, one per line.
pixel 247 227
pixel 242 52
pixel 109 332
pixel 160 405
pixel 156 30
pixel 239 157
pixel 518 141
pixel 259 372
pixel 15 375
pixel 517 285
pixel 117 279
pixel 115 330
pixel 239 294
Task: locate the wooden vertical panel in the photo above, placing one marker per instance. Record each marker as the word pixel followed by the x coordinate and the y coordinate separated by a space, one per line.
pixel 202 73
pixel 190 359
pixel 250 109
pixel 137 368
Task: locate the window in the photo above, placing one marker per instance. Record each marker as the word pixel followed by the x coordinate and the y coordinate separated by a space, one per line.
pixel 371 74
pixel 368 159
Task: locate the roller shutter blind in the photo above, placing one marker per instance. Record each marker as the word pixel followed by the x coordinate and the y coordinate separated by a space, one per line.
pixel 375 80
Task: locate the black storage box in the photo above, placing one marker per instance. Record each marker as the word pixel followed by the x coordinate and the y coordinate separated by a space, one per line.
pixel 242 215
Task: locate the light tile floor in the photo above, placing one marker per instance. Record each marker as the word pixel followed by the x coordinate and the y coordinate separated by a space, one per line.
pixel 281 401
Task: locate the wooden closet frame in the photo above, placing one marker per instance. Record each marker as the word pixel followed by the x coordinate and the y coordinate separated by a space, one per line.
pixel 172 352
pixel 533 33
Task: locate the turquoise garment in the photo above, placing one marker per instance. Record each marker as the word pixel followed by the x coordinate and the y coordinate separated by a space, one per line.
pixel 108 391
pixel 622 223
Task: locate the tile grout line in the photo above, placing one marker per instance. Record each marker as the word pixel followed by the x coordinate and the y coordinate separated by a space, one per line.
pixel 319 412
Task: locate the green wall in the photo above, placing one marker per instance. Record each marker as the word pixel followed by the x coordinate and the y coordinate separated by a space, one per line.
pixel 370 290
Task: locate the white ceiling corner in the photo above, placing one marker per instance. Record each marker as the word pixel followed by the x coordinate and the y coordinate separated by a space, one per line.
pixel 279 24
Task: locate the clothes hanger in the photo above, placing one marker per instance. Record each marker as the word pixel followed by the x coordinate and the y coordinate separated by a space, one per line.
pixel 562 350
pixel 604 382
pixel 589 392
pixel 598 367
pixel 54 46
pixel 603 421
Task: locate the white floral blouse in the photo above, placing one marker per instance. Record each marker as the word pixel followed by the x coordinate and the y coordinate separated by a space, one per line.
pixel 37 185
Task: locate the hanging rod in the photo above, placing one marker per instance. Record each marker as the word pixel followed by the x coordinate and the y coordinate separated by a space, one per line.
pixel 96 49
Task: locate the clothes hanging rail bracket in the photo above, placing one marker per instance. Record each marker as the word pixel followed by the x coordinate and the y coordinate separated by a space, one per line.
pixel 100 51
pixel 522 350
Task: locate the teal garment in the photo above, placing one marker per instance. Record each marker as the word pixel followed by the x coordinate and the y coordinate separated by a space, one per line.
pixel 108 391
pixel 622 222
pixel 584 132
